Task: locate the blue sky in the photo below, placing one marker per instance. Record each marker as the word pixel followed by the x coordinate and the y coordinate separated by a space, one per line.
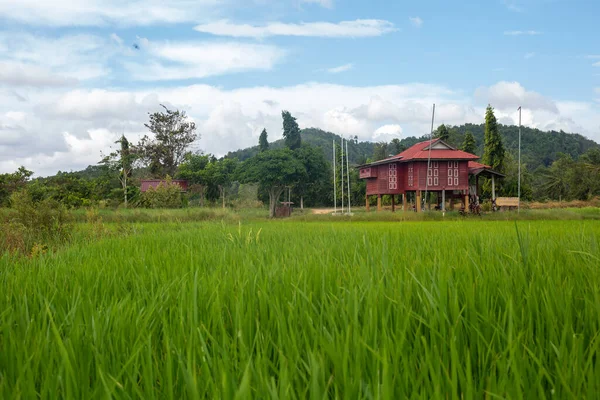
pixel 71 80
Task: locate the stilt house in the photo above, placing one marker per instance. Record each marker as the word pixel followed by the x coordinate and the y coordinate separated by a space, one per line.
pixel 408 174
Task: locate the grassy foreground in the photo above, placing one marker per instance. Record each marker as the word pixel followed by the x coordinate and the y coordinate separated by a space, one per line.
pixel 458 309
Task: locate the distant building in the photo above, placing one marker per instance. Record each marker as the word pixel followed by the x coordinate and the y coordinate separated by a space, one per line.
pixel 154 183
pixel 407 174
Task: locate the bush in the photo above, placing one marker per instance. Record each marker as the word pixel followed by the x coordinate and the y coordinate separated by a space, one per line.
pixel 166 195
pixel 34 225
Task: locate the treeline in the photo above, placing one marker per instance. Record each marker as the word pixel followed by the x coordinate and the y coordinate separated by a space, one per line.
pixel 555 166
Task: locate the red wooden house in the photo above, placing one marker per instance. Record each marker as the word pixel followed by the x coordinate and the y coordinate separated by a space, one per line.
pixel 407 174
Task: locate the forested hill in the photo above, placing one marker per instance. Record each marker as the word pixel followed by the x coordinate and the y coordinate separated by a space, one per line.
pixel 537 147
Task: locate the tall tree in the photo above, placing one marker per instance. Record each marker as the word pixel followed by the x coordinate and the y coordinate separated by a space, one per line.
pixel 317 169
pixel 263 143
pixel 173 134
pixel 220 174
pixel 122 161
pixel 380 151
pixel 291 131
pixel 12 182
pixel 396 146
pixel 469 144
pixel 493 148
pixel 193 169
pixel 274 170
pixel 442 133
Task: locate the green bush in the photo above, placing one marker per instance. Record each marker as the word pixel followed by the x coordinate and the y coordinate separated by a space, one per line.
pixel 166 195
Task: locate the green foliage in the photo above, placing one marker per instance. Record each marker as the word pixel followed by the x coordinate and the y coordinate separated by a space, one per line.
pixel 263 142
pixel 315 185
pixel 166 195
pixel 173 134
pixel 274 170
pixel 13 182
pixel 380 151
pixel 396 146
pixel 291 131
pixel 442 133
pixel 120 163
pixel 34 224
pixel 493 148
pixel 469 144
pixel 308 310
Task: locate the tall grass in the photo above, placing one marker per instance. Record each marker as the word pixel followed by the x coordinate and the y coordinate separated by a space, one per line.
pixel 309 310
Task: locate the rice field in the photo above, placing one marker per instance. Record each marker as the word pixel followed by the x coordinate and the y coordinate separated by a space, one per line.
pixel 308 309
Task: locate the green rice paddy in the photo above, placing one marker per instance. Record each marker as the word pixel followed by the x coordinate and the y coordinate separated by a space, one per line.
pixel 349 310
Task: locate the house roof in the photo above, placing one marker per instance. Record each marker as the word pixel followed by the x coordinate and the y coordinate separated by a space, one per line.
pixel 440 150
pixel 476 168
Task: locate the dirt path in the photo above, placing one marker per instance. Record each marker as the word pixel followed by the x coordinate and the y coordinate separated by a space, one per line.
pixel 322 210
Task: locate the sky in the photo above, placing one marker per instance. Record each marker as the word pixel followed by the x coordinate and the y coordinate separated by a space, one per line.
pixel 76 74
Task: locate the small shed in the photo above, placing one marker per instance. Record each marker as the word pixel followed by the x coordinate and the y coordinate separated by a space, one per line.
pixel 284 210
pixel 155 183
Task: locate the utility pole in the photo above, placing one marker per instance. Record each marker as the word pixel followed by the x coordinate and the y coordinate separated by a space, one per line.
pixel 519 184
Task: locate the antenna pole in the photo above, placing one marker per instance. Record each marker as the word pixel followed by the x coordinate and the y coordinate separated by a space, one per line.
pixel 334 182
pixel 429 157
pixel 348 174
pixel 342 155
pixel 519 189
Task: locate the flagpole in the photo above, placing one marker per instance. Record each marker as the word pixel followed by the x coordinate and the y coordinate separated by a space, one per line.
pixel 519 185
pixel 334 182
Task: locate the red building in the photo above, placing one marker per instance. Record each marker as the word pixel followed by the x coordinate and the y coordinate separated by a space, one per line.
pixel 407 174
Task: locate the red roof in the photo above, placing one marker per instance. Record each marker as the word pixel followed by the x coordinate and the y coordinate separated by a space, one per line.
pixel 476 165
pixel 420 151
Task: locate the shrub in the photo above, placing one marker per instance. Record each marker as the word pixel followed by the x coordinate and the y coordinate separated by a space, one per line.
pixel 166 195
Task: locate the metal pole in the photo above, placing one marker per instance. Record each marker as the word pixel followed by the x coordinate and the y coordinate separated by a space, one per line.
pixel 348 174
pixel 334 181
pixel 342 178
pixel 429 157
pixel 519 184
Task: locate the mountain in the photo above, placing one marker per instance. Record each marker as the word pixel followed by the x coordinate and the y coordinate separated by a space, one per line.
pixel 538 148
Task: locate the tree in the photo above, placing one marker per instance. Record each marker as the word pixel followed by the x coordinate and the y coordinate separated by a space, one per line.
pixel 193 169
pixel 442 133
pixel 13 182
pixel 493 148
pixel 274 170
pixel 263 143
pixel 469 144
pixel 380 151
pixel 291 131
pixel 173 134
pixel 220 174
pixel 396 146
pixel 317 170
pixel 122 161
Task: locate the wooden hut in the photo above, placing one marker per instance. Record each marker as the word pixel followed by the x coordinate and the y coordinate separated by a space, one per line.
pixel 431 166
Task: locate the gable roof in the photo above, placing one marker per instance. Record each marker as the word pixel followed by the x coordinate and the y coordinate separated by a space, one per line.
pixel 476 168
pixel 440 150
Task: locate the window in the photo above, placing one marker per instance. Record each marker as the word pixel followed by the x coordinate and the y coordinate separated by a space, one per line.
pixel 433 171
pixel 410 174
pixel 392 177
pixel 453 173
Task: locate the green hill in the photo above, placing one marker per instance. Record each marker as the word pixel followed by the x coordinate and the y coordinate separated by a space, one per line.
pixel 538 148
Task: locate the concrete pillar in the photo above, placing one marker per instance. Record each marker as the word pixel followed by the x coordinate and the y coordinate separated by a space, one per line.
pixel 467 202
pixel 418 201
pixel 378 202
pixel 367 203
pixel 393 203
pixel 404 202
pixel 443 199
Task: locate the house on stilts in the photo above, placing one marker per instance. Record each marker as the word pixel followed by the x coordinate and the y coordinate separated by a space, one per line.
pixel 430 167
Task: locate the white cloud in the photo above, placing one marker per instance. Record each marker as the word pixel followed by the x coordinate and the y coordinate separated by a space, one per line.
pixel 66 129
pixel 529 55
pixel 53 61
pixel 322 3
pixel 357 28
pixel 520 33
pixel 105 12
pixel 597 64
pixel 416 21
pixel 507 95
pixel 388 132
pixel 116 38
pixel 19 74
pixel 593 56
pixel 341 68
pixel 185 60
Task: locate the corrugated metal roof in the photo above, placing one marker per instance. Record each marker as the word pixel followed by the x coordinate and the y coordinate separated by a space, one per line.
pixel 420 151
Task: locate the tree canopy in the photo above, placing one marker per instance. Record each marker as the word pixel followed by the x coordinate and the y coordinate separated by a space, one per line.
pixel 291 131
pixel 493 147
pixel 263 142
pixel 469 144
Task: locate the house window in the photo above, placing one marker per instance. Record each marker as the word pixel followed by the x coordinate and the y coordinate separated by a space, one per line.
pixel 453 173
pixel 410 175
pixel 433 171
pixel 393 177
